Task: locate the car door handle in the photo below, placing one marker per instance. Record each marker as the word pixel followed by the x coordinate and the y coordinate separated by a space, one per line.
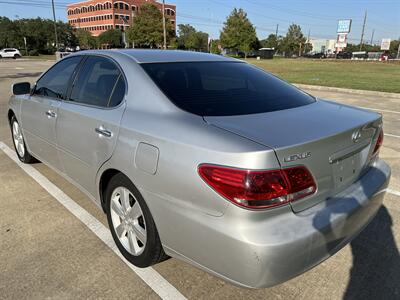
pixel 102 131
pixel 51 114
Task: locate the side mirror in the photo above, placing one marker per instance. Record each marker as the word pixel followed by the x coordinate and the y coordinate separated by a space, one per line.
pixel 21 88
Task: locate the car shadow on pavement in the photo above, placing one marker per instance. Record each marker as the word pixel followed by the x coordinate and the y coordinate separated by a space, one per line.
pixel 375 273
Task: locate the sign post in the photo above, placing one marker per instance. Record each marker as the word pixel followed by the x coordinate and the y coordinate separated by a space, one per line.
pixel 343 29
pixel 385 45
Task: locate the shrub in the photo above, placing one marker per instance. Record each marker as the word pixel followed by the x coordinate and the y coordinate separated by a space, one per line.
pixel 33 53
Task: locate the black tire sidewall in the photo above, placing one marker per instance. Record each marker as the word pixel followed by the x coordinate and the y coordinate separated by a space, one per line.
pixel 150 254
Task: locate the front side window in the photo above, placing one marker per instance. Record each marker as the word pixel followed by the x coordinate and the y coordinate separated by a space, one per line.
pixel 224 88
pixel 98 83
pixel 55 82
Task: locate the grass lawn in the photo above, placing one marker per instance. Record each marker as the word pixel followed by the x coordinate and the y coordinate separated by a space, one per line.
pixel 361 75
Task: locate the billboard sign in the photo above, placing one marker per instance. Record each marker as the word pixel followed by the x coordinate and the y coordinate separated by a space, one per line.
pixel 341 41
pixel 344 26
pixel 385 45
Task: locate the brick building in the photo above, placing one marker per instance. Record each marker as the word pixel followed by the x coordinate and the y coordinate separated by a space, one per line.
pixel 98 16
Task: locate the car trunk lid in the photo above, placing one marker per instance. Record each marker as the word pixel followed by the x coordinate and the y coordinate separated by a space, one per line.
pixel 333 141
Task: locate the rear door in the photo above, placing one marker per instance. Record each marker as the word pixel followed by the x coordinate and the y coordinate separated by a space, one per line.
pixel 88 122
pixel 39 111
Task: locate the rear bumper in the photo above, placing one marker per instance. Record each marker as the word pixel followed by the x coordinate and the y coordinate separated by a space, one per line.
pixel 256 250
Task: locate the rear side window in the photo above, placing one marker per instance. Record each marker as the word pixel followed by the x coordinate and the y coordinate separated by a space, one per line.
pixel 54 83
pixel 224 88
pixel 99 83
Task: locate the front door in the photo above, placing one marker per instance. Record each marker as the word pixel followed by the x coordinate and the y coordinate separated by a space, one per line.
pixel 88 123
pixel 40 111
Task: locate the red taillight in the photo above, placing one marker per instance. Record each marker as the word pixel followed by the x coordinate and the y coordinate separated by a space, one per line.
pixel 379 143
pixel 259 189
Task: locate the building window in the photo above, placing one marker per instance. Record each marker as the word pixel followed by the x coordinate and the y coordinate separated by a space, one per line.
pixel 121 5
pixel 116 17
pixel 126 7
pixel 115 5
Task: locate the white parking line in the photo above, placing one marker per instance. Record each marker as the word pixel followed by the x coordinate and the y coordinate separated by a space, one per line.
pixel 378 109
pixel 151 277
pixel 393 192
pixel 392 135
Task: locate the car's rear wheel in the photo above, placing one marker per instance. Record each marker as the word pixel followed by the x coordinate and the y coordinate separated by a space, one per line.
pixel 19 143
pixel 131 224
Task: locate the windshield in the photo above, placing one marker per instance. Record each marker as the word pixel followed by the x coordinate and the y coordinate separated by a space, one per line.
pixel 224 88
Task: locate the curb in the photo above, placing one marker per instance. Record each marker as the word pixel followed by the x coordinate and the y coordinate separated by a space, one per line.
pixel 348 91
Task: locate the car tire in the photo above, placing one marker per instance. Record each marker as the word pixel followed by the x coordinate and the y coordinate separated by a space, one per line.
pixel 19 143
pixel 131 223
pixel 16 56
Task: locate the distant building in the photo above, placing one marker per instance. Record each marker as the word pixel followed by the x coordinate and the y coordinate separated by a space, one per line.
pixel 98 16
pixel 323 45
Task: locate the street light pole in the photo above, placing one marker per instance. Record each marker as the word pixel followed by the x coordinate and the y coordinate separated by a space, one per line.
pixel 164 29
pixel 363 29
pixel 55 24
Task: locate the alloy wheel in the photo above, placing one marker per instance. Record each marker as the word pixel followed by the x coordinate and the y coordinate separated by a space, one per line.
pixel 128 221
pixel 18 139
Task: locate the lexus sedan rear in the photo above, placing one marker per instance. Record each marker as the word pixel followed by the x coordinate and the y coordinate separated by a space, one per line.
pixel 206 159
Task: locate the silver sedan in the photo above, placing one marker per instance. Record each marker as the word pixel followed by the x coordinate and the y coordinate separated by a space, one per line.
pixel 206 159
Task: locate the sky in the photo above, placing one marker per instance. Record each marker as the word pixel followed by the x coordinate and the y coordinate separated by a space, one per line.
pixel 319 17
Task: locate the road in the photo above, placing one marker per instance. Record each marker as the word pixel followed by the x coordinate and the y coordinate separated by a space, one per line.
pixel 53 243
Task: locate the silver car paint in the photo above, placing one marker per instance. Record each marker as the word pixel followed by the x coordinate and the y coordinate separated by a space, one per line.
pixel 249 248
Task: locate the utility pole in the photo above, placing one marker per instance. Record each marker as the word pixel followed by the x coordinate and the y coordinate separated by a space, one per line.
pixel 55 23
pixel 276 32
pixel 372 36
pixel 363 29
pixel 164 29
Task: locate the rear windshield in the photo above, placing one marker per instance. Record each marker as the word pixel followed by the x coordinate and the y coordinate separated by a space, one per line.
pixel 224 88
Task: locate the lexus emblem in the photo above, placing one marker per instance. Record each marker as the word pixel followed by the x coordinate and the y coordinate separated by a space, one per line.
pixel 356 136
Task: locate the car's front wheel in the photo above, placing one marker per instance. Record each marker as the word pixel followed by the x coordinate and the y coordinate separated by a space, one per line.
pixel 19 143
pixel 131 224
pixel 17 56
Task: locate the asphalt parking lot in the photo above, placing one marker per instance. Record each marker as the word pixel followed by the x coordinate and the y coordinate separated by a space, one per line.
pixel 53 243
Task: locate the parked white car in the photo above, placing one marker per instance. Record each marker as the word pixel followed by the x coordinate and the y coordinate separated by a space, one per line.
pixel 10 53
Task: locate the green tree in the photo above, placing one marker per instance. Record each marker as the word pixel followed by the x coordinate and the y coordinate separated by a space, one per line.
pixel 214 47
pixel 272 41
pixel 147 29
pixel 307 48
pixel 238 32
pixel 85 39
pixel 293 40
pixel 189 38
pixel 184 33
pixel 9 33
pixel 394 47
pixel 39 34
pixel 111 38
pixel 66 35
